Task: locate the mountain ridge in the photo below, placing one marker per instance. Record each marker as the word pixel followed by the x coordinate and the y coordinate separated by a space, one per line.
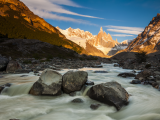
pixel 17 21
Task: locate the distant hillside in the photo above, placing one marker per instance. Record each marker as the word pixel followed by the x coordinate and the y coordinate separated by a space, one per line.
pixel 17 21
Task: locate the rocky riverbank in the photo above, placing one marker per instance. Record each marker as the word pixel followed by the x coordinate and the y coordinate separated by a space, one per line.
pixel 26 65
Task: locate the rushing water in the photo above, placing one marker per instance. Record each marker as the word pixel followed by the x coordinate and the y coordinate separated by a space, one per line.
pixel 144 104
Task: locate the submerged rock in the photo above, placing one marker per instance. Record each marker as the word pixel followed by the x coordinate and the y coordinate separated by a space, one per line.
pixel 111 93
pixel 5 85
pixel 100 72
pixel 135 82
pixel 89 82
pixel 49 83
pixel 95 106
pixel 73 81
pixel 77 100
pixel 127 75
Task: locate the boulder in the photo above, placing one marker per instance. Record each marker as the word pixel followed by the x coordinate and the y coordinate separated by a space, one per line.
pixel 127 75
pixel 95 106
pixel 3 63
pixel 12 66
pixel 77 100
pixel 135 82
pixel 111 93
pixel 144 74
pixel 49 83
pixel 73 81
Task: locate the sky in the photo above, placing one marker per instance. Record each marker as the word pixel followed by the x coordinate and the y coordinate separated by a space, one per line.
pixel 123 19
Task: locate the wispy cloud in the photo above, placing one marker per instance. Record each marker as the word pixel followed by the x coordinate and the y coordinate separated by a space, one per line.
pixel 122 35
pixel 50 6
pixel 124 29
pixel 58 17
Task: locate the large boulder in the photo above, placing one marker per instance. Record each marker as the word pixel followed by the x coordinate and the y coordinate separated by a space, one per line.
pixel 49 83
pixel 12 66
pixel 3 63
pixel 73 81
pixel 143 74
pixel 111 93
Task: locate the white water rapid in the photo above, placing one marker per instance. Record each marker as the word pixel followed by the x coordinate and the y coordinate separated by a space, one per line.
pixel 144 102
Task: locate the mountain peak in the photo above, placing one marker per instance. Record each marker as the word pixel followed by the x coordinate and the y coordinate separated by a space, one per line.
pixel 101 29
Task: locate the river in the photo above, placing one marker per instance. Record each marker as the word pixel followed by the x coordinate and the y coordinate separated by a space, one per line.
pixel 144 102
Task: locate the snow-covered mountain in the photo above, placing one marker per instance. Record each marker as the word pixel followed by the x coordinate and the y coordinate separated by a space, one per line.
pixel 102 41
pixel 149 39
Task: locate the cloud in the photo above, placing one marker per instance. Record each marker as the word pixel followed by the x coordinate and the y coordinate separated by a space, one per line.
pixel 50 6
pixel 58 17
pixel 122 35
pixel 124 29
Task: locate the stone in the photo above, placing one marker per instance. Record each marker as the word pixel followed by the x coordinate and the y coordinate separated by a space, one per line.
pixel 97 66
pixel 95 106
pixel 3 63
pixel 116 65
pixel 135 82
pixel 77 100
pixel 12 66
pixel 100 72
pixel 155 85
pixel 74 81
pixel 89 83
pixel 111 93
pixel 49 83
pixel 141 78
pixel 144 74
pixel 127 75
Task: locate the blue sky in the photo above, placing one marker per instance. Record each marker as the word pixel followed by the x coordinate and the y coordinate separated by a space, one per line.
pixel 123 19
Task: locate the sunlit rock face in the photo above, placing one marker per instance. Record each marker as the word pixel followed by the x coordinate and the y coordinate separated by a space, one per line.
pixel 28 15
pixel 148 40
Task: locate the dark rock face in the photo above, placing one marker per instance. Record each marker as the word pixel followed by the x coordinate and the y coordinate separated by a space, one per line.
pixel 127 75
pixel 144 74
pixel 111 93
pixel 100 72
pixel 95 106
pixel 73 81
pixel 77 100
pixel 135 82
pixel 12 66
pixel 3 63
pixel 49 83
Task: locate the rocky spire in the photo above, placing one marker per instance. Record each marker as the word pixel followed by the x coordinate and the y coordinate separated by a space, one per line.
pixel 101 29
